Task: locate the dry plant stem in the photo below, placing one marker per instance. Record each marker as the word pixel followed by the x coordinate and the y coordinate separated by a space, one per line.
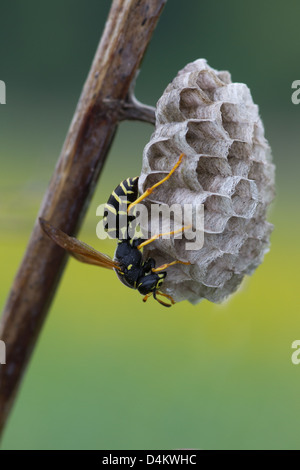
pixel 106 99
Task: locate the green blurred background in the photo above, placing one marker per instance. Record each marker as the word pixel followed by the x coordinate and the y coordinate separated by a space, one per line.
pixel 108 371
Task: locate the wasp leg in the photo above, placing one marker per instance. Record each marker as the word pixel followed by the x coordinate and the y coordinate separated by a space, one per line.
pixel 150 190
pixel 147 297
pixel 164 295
pixel 155 237
pixel 165 266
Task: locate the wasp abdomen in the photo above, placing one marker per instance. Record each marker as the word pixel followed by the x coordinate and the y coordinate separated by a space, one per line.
pixel 115 213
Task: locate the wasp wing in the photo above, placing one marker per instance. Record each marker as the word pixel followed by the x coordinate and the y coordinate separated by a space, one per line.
pixel 81 251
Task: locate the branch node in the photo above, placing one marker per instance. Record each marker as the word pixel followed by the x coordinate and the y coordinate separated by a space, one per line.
pixel 131 108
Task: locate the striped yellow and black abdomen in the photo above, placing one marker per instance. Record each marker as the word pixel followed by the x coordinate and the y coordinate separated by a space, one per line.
pixel 115 213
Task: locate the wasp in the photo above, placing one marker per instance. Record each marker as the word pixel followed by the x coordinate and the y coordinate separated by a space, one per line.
pixel 128 261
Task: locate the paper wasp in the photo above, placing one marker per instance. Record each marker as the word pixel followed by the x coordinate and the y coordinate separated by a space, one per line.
pixel 128 262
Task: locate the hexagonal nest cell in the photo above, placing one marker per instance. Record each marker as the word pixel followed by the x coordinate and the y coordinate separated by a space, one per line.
pixel 228 168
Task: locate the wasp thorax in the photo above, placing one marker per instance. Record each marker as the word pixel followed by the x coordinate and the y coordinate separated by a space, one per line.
pixel 227 169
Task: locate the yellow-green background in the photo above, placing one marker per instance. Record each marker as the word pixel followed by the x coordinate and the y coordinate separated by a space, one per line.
pixel 108 371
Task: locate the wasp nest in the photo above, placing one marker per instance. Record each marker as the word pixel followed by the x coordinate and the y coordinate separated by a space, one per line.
pixel 227 168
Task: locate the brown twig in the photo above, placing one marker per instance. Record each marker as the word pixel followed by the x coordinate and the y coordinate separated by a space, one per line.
pixel 106 99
